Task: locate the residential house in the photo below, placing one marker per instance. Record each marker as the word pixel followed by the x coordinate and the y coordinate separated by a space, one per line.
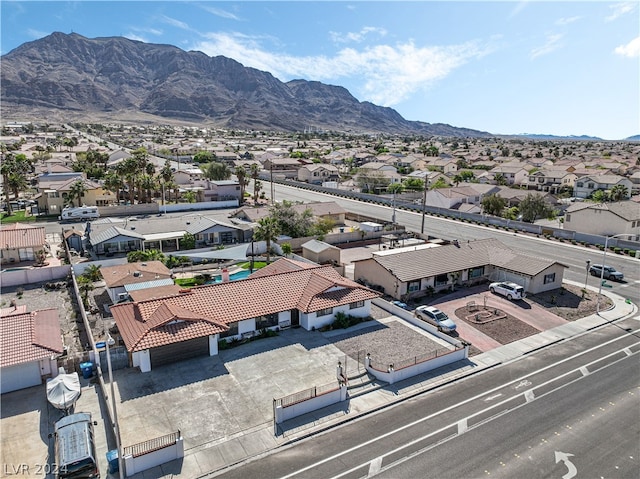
pixel 53 192
pixel 29 346
pixel 605 218
pixel 318 173
pixel 73 238
pixel 20 242
pixel 587 185
pixel 189 324
pixel 551 180
pixel 117 157
pixel 188 176
pixel 467 193
pixel 443 165
pixel 513 174
pixel 121 235
pixel 416 271
pixel 430 177
pixel 148 274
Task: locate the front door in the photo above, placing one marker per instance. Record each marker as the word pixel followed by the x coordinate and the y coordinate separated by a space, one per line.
pixel 295 318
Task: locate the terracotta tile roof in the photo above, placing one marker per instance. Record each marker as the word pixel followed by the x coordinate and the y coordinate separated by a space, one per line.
pixel 207 309
pixel 26 337
pixel 122 274
pixel 13 238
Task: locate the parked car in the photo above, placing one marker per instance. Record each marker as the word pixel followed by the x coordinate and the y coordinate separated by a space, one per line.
pixel 606 272
pixel 402 305
pixel 507 289
pixel 436 318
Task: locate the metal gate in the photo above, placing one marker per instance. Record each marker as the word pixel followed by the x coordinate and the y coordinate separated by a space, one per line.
pixel 172 353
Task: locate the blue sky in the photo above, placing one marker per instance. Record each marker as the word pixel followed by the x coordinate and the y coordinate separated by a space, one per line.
pixel 563 68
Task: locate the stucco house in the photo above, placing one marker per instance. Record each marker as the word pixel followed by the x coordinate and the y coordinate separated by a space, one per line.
pixel 283 294
pixel 513 174
pixel 587 185
pixel 605 218
pixel 53 192
pixel 551 180
pixel 29 346
pixel 318 173
pixel 20 242
pixel 419 270
pixel 320 252
pixel 117 277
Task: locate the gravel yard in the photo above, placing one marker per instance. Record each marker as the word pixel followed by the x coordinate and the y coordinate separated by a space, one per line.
pixel 505 330
pixel 569 303
pixel 389 343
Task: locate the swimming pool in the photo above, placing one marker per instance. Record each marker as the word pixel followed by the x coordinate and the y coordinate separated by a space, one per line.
pixel 242 274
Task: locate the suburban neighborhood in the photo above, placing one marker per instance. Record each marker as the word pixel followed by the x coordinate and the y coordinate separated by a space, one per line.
pixel 167 270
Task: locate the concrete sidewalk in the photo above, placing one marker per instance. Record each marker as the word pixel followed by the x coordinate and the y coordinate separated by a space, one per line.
pixel 208 459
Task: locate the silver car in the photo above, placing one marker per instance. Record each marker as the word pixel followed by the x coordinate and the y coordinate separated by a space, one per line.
pixel 436 318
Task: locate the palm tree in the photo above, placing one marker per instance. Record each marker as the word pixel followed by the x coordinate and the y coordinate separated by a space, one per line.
pixel 166 176
pixel 500 179
pixel 268 228
pixel 241 174
pixel 113 182
pixel 92 272
pixel 13 170
pixel 77 190
pixel 618 193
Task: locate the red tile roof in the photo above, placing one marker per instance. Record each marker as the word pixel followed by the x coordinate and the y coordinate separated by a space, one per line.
pixel 208 309
pixel 22 237
pixel 27 337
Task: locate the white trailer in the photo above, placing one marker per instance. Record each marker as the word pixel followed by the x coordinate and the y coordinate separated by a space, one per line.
pixel 80 213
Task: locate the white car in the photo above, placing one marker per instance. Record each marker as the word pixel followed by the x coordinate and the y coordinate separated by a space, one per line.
pixel 435 317
pixel 509 290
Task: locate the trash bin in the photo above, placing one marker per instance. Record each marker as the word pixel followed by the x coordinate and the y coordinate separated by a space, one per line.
pixel 112 461
pixel 87 370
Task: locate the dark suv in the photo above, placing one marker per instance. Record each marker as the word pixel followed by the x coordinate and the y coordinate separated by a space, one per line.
pixel 608 273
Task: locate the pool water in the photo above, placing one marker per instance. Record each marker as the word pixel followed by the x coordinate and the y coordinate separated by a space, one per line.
pixel 242 274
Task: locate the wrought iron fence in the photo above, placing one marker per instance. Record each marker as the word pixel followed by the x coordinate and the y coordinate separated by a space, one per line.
pixel 152 445
pixel 405 363
pixel 305 395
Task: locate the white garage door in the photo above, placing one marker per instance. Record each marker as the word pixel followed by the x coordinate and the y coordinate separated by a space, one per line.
pixel 21 376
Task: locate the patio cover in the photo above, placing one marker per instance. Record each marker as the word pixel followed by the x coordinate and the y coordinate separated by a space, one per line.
pixel 238 253
pixel 171 235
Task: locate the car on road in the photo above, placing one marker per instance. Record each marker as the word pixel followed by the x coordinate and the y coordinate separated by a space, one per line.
pixel 507 289
pixel 606 272
pixel 436 318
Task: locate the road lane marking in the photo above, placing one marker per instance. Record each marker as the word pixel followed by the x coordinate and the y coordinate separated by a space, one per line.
pixel 584 371
pixel 462 426
pixel 491 398
pixel 564 457
pixel 375 467
pixel 522 384
pixel 529 395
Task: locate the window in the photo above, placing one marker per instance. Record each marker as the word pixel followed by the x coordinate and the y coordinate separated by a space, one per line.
pixel 568 218
pixel 579 184
pixel 324 312
pixel 357 304
pixel 476 272
pixel 226 237
pixel 549 278
pixel 441 279
pixel 266 321
pixel 233 331
pixel 413 286
pixel 591 185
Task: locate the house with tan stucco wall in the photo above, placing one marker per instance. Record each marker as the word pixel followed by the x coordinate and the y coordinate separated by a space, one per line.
pixel 605 218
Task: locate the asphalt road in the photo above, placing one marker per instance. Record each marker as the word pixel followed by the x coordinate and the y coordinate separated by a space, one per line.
pixel 573 256
pixel 504 421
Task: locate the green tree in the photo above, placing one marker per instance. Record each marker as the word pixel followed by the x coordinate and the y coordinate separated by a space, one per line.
pixel 204 157
pixel 217 171
pixel 188 241
pixel 114 183
pixel 92 272
pixel 85 285
pixel 395 188
pixel 493 204
pixel 254 171
pixel 599 196
pixel 267 230
pixel 413 184
pixel 147 255
pixel 440 183
pixel 13 169
pixel 286 249
pixel 618 193
pixel 167 179
pixel 371 181
pixel 76 192
pixel 190 196
pixel 533 207
pixel 500 179
pixel 322 226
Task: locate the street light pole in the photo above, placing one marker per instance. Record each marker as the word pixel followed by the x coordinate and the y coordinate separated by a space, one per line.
pixel 586 276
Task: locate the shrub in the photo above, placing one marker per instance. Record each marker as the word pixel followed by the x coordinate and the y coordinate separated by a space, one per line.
pixel 632 252
pixel 341 320
pixel 222 345
pixel 617 250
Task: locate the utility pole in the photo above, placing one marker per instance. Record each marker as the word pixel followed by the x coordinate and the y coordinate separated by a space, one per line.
pixel 424 202
pixel 273 200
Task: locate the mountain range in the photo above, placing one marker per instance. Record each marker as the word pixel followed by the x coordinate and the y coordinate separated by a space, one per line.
pixel 74 78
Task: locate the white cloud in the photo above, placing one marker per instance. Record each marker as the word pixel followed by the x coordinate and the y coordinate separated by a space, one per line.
pixel 566 20
pixel 174 22
pixel 552 44
pixel 620 9
pixel 631 49
pixel 221 13
pixel 517 9
pixel 389 73
pixel 152 31
pixel 356 37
